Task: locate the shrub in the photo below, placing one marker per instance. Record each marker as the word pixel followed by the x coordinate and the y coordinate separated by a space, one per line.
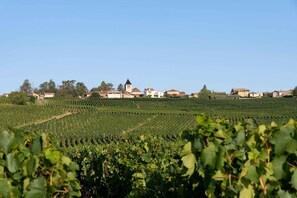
pixel 31 167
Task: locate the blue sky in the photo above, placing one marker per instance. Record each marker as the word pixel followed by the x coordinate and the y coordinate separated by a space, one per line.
pixel 161 44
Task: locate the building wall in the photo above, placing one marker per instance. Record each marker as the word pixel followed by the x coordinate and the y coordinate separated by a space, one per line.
pixel 114 95
pixel 243 93
pixel 128 88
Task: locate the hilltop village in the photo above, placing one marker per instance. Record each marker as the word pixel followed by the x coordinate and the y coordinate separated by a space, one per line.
pixel 106 90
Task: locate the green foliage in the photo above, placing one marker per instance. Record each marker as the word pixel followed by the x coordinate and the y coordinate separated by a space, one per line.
pixel 18 98
pixel 140 167
pixel 105 86
pixel 204 93
pixel 94 95
pixel 49 86
pixel 26 87
pixel 241 160
pixel 121 87
pixel 80 88
pixel 31 167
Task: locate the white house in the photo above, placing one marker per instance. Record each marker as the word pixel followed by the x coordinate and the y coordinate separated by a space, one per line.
pixel 256 94
pixel 48 95
pixel 150 92
pixel 114 94
pixel 278 94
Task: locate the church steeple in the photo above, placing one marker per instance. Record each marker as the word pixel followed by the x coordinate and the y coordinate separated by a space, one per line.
pixel 128 86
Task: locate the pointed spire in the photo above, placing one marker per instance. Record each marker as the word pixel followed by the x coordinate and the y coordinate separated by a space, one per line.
pixel 128 82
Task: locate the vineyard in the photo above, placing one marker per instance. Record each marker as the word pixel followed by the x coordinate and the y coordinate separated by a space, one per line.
pixel 152 148
pixel 76 121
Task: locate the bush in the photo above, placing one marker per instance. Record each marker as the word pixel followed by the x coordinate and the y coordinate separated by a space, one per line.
pixel 18 98
pixel 31 167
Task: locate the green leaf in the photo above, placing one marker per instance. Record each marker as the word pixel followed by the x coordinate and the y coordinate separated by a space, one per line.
pixel 278 167
pixel 208 156
pixel 252 174
pixel 221 134
pixel 219 176
pixel 66 160
pixel 284 194
pixel 247 192
pixel 71 176
pixel 31 165
pixel 52 155
pixel 73 166
pixel 1 171
pixel 291 147
pixel 262 129
pixel 6 140
pixel 187 149
pixel 220 159
pixel 282 138
pixel 37 189
pixel 5 188
pixel 138 175
pixel 294 179
pixel 189 161
pixel 37 145
pixel 240 138
pixel 12 163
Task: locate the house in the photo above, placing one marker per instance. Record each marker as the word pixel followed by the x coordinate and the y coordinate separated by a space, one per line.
pixel 174 93
pixel 87 94
pixel 136 93
pixel 194 95
pixel 35 95
pixel 48 95
pixel 5 95
pixel 256 94
pixel 150 92
pixel 126 94
pixel 242 92
pixel 279 94
pixel 114 94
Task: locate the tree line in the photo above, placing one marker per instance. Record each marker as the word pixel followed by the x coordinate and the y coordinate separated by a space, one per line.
pixel 68 88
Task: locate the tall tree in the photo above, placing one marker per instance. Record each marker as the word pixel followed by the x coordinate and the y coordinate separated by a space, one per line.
pixel 94 89
pixel 120 87
pixel 43 87
pixel 67 88
pixel 52 86
pixel 204 92
pixel 105 86
pixel 26 87
pixel 49 86
pixel 80 88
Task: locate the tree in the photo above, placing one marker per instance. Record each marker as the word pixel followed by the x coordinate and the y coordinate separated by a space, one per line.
pixel 295 91
pixel 204 92
pixel 67 88
pixel 95 95
pixel 48 87
pixel 18 98
pixel 80 88
pixel 120 87
pixel 94 89
pixel 26 87
pixel 52 86
pixel 105 86
pixel 43 87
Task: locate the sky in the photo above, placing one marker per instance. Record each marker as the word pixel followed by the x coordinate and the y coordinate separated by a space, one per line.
pixel 163 44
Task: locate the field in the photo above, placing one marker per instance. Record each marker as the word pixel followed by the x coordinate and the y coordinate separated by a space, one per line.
pixel 154 148
pixel 102 120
